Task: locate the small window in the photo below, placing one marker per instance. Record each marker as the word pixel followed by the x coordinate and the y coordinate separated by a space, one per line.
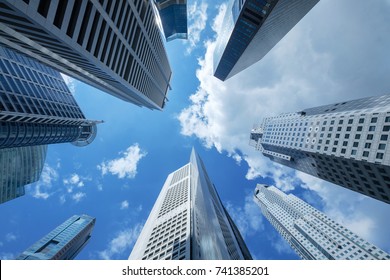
pixel 387 119
pixel 345 143
pixel 349 128
pixel 384 137
pixel 374 120
pixel 367 145
pixel 356 144
pixel 370 136
pixel 379 155
pixel 353 152
pixel 337 135
pixel 382 146
pixel 343 151
pixel 350 121
pixel 361 120
pixel 365 154
pixel 339 128
pixel 372 128
pixel 334 150
pixel 359 128
pixel 386 128
pixel 341 121
pixel 346 136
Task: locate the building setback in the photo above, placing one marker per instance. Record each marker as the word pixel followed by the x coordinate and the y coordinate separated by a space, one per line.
pixel 64 242
pixel 312 234
pixel 36 106
pixel 173 15
pixel 189 222
pixel 112 45
pixel 251 28
pixel 345 143
pixel 19 167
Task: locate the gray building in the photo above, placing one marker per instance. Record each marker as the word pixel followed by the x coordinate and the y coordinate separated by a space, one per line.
pixel 112 45
pixel 19 167
pixel 189 222
pixel 64 242
pixel 345 143
pixel 36 106
pixel 312 234
pixel 251 28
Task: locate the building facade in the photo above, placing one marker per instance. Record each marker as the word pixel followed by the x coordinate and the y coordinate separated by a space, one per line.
pixel 251 28
pixel 173 16
pixel 64 242
pixel 112 45
pixel 19 167
pixel 189 222
pixel 36 106
pixel 312 234
pixel 346 143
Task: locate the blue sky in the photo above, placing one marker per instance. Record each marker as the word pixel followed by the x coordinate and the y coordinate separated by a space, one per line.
pixel 338 52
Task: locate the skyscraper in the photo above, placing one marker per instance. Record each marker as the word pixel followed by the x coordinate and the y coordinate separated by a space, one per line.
pixel 188 221
pixel 310 232
pixel 64 242
pixel 346 143
pixel 112 45
pixel 19 167
pixel 251 28
pixel 173 15
pixel 36 106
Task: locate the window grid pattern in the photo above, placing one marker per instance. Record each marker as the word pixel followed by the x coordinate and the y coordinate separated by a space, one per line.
pixel 311 233
pixel 114 45
pixel 355 132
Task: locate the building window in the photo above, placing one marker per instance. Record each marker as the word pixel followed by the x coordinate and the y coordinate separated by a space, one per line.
pixel 334 150
pixel 379 155
pixel 340 121
pixel 339 128
pixel 384 137
pixel 357 136
pixel 371 128
pixel 345 143
pixel 365 154
pixel 349 128
pixel 337 135
pixel 355 144
pixel 374 120
pixel 350 121
pixel 361 120
pixel 346 136
pixel 370 136
pixel 381 146
pixel 359 128
pixel 353 152
pixel 387 119
pixel 336 142
pixel 386 128
pixel 367 145
pixel 343 151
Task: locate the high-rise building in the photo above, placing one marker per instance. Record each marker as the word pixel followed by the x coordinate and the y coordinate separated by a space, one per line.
pixel 19 167
pixel 36 106
pixel 113 45
pixel 311 233
pixel 64 242
pixel 188 221
pixel 173 15
pixel 346 143
pixel 251 28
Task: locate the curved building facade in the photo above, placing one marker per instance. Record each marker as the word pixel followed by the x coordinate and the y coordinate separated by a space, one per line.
pixel 36 106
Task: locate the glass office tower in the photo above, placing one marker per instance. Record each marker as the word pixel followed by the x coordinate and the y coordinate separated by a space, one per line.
pixel 251 28
pixel 346 143
pixel 36 106
pixel 64 242
pixel 113 45
pixel 312 234
pixel 19 167
pixel 189 222
pixel 173 15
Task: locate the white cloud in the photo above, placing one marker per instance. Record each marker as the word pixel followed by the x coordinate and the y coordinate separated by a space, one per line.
pixel 197 18
pixel 125 166
pixel 10 237
pixel 124 204
pixel 70 82
pixel 121 243
pixel 248 217
pixel 77 197
pixel 75 180
pixel 41 189
pixel 318 62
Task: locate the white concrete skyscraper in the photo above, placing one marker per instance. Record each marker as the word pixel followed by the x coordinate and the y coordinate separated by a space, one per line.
pixel 346 143
pixel 189 222
pixel 310 232
pixel 113 45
